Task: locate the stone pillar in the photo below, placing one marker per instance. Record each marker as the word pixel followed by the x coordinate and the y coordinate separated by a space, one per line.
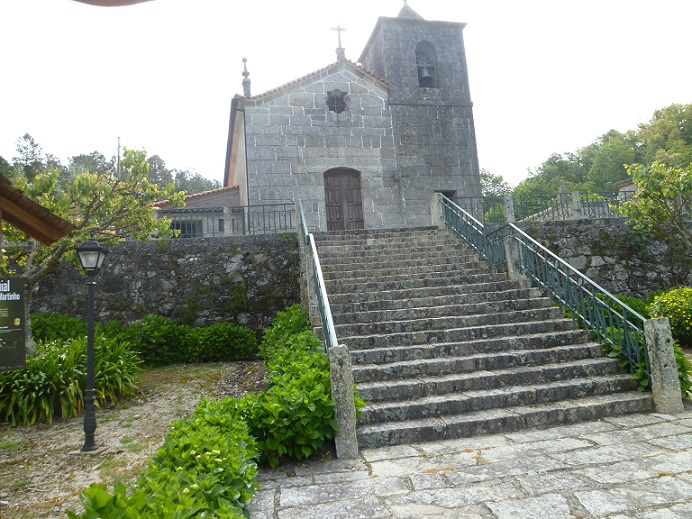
pixel 509 208
pixel 513 265
pixel 576 211
pixel 436 211
pixel 345 408
pixel 665 383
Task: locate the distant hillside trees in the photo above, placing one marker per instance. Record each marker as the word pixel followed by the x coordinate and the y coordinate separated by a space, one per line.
pixel 598 167
pixel 30 161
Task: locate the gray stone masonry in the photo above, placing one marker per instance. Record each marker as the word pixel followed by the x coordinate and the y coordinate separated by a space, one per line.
pixel 443 349
pixel 622 467
pixel 665 383
pixel 246 280
pixel 345 410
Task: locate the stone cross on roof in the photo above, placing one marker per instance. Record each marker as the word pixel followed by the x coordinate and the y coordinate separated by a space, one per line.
pixel 340 51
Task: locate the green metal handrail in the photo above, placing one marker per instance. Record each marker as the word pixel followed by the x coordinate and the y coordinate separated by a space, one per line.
pixel 323 307
pixel 590 305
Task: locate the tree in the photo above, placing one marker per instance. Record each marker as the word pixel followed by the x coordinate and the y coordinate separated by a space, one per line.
pixel 159 174
pixel 94 162
pixel 493 185
pixel 193 182
pixel 667 137
pixel 664 197
pixel 609 165
pixel 99 206
pixel 29 156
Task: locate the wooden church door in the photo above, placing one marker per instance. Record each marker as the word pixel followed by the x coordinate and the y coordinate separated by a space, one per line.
pixel 343 200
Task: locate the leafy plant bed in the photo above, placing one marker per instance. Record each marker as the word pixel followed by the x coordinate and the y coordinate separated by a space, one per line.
pixel 43 471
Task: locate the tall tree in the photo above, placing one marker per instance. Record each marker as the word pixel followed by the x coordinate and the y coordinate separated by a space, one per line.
pixel 664 196
pixel 609 166
pixel 493 185
pixel 159 174
pixel 667 137
pixel 29 156
pixel 193 182
pixel 100 207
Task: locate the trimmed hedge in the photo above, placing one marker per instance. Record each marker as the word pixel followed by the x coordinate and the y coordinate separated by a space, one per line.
pixel 158 340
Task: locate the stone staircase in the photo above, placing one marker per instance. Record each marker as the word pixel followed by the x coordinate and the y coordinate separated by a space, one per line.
pixel 442 349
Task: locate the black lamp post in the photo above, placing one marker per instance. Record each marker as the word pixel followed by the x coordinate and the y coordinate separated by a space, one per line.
pixel 91 256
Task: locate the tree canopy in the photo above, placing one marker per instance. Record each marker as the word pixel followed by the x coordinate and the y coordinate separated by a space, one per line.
pixel 597 168
pixel 30 161
pixel 100 206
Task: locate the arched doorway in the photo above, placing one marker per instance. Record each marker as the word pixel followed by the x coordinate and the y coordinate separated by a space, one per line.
pixel 343 200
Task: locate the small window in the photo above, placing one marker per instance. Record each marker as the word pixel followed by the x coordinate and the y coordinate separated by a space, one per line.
pixel 335 101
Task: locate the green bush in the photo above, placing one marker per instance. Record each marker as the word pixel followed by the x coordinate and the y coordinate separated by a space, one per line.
pixel 205 468
pixel 295 416
pixel 158 340
pixel 220 342
pixel 676 305
pixel 161 341
pixel 207 464
pixel 56 327
pixel 634 303
pixel 52 383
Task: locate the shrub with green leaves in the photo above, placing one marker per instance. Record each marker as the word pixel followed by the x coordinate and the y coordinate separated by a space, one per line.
pixel 205 468
pixel 220 342
pixel 676 305
pixel 56 327
pixel 295 416
pixel 53 382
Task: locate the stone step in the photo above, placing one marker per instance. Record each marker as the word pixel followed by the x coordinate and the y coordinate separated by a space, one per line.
pixel 363 235
pixel 503 420
pixel 479 287
pixel 416 379
pixel 349 265
pixel 394 257
pixel 454 278
pixel 498 347
pixel 461 301
pixel 467 401
pixel 364 273
pixel 370 341
pixel 448 322
pixel 426 312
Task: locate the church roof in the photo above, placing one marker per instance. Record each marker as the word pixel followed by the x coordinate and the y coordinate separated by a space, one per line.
pixel 316 74
pixel 407 12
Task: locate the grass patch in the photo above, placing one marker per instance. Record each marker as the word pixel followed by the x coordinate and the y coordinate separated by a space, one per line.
pixel 9 446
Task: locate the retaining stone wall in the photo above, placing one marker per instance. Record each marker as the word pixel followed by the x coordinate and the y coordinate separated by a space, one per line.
pixel 245 280
pixel 607 251
pixel 248 280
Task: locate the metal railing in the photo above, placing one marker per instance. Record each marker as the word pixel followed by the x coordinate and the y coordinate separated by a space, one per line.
pixel 590 305
pixel 202 222
pixel 323 307
pixel 492 209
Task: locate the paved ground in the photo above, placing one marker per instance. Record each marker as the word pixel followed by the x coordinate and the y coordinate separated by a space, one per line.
pixel 631 466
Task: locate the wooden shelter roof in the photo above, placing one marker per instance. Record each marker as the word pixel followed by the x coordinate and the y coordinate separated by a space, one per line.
pixel 30 217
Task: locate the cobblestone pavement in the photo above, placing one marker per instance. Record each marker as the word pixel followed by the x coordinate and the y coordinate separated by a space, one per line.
pixel 621 467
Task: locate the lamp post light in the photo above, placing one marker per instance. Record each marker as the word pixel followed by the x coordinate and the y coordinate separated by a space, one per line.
pixel 91 256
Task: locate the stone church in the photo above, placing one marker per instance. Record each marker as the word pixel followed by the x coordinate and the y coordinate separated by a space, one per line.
pixel 364 145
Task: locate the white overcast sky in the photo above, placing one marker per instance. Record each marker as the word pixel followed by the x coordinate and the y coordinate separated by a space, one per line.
pixel 546 75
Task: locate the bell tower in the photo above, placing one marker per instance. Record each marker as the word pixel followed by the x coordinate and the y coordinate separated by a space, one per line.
pixel 424 63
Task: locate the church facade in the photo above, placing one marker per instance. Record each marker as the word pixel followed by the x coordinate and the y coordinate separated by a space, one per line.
pixel 366 145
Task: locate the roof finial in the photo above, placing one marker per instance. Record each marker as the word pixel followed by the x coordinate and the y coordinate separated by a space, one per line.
pixel 340 51
pixel 246 79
